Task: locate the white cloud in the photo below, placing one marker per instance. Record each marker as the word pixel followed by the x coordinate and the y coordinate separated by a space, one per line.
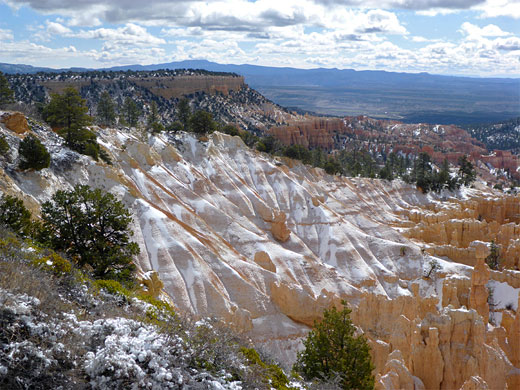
pixel 495 8
pixel 42 55
pixel 406 4
pixel 131 34
pixel 490 30
pixel 437 11
pixel 302 33
pixel 508 44
pixel 57 29
pixel 6 35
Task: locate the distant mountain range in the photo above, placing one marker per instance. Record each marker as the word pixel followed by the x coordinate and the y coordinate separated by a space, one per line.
pixel 411 97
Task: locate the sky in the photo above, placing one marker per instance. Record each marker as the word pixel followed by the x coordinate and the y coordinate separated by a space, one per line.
pixel 455 37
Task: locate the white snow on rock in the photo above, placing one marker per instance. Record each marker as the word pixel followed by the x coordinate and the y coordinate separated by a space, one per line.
pixel 203 210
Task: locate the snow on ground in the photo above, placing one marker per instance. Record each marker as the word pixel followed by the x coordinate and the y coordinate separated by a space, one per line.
pixel 112 352
pixel 203 210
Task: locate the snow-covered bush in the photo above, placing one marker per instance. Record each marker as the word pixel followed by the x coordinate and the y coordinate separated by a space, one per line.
pixel 62 330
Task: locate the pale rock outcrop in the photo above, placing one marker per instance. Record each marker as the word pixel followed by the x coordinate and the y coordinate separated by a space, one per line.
pixel 264 260
pixel 455 291
pixel 279 227
pixel 396 375
pixel 427 360
pixel 478 297
pixel 454 226
pixel 513 335
pixel 15 121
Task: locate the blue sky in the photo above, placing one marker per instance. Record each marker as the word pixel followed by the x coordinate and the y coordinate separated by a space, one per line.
pixel 457 37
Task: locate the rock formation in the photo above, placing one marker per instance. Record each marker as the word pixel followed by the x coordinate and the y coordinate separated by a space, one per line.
pixel 453 226
pixel 15 121
pixel 478 297
pixel 235 234
pixel 279 227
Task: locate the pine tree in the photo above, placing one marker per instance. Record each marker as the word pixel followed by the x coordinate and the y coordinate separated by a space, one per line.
pixel 332 166
pixel 331 348
pixel 493 259
pixel 15 215
pixel 131 112
pixel 93 228
pixel 153 123
pixel 184 113
pixel 201 122
pixel 105 109
pixel 467 172
pixel 33 154
pixel 68 112
pixel 422 172
pixel 6 93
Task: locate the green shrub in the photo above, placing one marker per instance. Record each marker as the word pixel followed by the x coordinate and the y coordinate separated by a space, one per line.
pixel 113 287
pixel 91 149
pixel 4 146
pixel 230 130
pixel 6 93
pixel 33 154
pixel 175 126
pixel 54 264
pixel 493 260
pixel 332 167
pixel 298 152
pixel 68 112
pixel 331 348
pixel 15 215
pixel 103 155
pixel 273 374
pixel 201 122
pixel 159 310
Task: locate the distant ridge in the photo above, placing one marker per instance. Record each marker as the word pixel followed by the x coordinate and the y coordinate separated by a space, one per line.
pixel 411 97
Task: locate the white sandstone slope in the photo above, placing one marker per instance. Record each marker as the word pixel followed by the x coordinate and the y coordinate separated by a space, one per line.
pixel 212 218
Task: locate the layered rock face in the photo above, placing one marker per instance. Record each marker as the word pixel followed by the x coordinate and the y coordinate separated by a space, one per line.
pixel 440 142
pixel 236 234
pixel 316 132
pixel 166 87
pixel 452 227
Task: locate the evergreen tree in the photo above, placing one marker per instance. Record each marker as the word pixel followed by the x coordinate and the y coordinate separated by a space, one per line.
pixel 467 172
pixel 331 348
pixel 33 154
pixel 201 122
pixel 298 152
pixel 422 172
pixel 386 172
pixel 153 123
pixel 493 259
pixel 68 112
pixel 6 93
pixel 15 215
pixel 269 144
pixel 93 228
pixel 318 158
pixel 184 113
pixel 106 109
pixel 332 166
pixel 230 129
pixel 131 112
